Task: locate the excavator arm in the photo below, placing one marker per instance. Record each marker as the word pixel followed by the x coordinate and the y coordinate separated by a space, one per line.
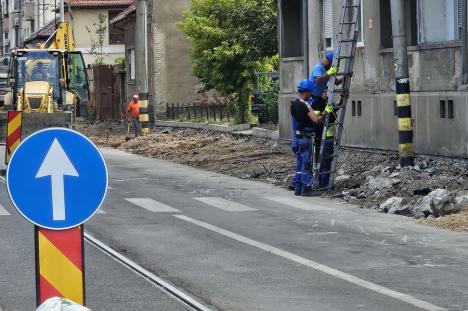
pixel 61 39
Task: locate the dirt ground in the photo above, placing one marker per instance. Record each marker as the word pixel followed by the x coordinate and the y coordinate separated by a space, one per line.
pixel 365 178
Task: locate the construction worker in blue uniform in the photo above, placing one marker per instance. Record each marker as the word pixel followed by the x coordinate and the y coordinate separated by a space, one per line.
pixel 321 74
pixel 305 123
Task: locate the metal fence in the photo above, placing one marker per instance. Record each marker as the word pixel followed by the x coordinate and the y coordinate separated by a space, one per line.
pixel 210 112
pixel 216 112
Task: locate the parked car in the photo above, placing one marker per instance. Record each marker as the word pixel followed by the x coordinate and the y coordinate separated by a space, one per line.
pixel 259 107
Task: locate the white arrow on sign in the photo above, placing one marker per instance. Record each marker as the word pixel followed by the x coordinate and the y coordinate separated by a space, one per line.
pixel 57 165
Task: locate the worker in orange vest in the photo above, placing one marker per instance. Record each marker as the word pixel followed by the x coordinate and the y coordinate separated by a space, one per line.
pixel 134 113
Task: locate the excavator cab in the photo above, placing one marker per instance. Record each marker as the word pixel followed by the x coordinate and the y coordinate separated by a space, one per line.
pixel 47 80
pixel 35 77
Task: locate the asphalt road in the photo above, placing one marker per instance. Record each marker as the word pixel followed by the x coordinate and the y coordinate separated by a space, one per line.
pixel 110 285
pixel 264 249
pixel 242 245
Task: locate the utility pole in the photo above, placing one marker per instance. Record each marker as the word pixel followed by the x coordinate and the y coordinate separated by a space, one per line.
pixel 464 39
pixel 2 49
pixel 141 52
pixel 403 98
pixel 62 11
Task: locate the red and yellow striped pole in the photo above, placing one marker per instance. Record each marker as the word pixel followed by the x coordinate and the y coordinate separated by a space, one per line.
pixel 60 264
pixel 14 129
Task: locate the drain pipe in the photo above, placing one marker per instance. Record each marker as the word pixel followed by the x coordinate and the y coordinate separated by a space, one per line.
pixel 464 48
pixel 305 35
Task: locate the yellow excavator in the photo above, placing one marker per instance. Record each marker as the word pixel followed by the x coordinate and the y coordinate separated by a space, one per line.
pixel 49 82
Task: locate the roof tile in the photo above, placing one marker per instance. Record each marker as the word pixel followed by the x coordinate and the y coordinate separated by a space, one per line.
pixel 91 3
pixel 122 15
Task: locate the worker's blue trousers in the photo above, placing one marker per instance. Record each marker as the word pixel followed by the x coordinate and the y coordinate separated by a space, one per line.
pixel 295 148
pixel 303 177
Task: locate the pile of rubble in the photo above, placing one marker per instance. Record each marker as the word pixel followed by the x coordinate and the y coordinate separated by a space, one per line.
pixel 437 203
pixel 433 187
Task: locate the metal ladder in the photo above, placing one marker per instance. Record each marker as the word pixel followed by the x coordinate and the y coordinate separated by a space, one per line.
pixel 346 41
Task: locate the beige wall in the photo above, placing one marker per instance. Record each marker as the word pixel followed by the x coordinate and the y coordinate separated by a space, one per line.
pixel 83 18
pixel 174 81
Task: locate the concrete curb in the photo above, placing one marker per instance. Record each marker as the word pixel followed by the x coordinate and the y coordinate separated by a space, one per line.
pixel 242 129
pixel 204 126
pixel 264 133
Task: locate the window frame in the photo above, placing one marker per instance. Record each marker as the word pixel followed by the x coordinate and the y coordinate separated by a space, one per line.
pixel 110 15
pixel 131 65
pixel 420 29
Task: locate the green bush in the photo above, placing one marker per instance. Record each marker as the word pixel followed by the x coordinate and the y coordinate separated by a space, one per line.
pixel 232 40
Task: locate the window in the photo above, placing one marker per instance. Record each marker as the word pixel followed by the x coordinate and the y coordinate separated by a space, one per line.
pixel 116 36
pixel 360 25
pixel 292 44
pixel 442 109
pixel 77 76
pixel 446 109
pixel 327 13
pixel 356 108
pixel 411 23
pixel 450 109
pixel 439 20
pixel 131 64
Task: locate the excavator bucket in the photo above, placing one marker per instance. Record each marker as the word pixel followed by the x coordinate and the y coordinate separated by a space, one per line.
pixel 33 122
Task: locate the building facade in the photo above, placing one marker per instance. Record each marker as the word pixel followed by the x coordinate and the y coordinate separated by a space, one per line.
pixel 171 78
pixel 439 97
pixel 21 18
pixel 83 15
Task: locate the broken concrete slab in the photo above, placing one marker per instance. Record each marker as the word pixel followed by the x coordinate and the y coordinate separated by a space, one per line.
pixel 441 203
pixel 391 204
pixel 404 210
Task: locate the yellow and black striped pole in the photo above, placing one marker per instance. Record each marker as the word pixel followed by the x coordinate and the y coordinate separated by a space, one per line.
pixel 144 114
pixel 400 54
pixel 14 133
pixel 405 122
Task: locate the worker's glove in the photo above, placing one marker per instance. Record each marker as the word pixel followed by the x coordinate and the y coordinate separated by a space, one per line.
pixel 332 71
pixel 329 109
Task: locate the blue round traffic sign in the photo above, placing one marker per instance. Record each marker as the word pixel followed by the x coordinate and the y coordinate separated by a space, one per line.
pixel 57 179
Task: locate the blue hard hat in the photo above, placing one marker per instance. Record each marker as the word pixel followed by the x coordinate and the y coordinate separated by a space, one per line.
pixel 329 56
pixel 305 85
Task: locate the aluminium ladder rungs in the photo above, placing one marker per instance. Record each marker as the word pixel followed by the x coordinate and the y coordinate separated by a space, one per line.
pixel 344 58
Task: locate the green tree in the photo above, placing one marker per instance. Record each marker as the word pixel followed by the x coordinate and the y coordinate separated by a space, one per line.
pixel 97 35
pixel 232 40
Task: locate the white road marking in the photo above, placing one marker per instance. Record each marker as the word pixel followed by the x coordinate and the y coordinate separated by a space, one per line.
pixel 145 274
pixel 225 205
pixel 300 204
pixel 101 211
pixel 424 305
pixel 3 211
pixel 152 205
pixel 110 188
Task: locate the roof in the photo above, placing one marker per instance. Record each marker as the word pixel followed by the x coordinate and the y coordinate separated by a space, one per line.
pixel 38 50
pixel 123 15
pixel 98 3
pixel 42 33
